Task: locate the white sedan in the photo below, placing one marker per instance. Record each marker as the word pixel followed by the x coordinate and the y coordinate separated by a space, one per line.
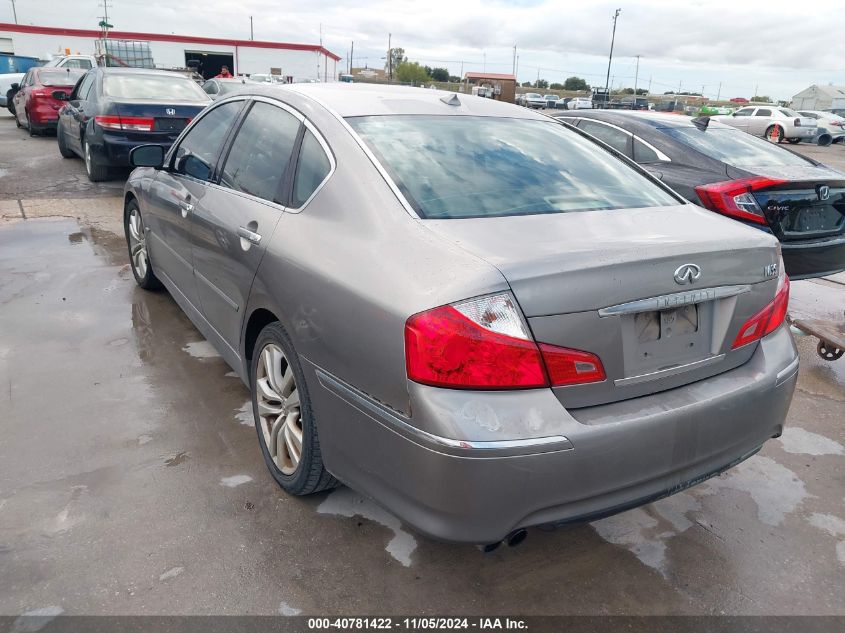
pixel 772 122
pixel 828 123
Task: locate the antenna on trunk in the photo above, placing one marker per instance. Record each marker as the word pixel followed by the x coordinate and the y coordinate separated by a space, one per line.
pixel 451 99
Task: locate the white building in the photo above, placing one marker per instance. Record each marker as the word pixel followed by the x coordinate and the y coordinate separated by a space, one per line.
pixel 820 98
pixel 300 62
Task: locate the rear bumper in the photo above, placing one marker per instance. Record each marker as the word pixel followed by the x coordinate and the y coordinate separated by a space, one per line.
pixel 113 149
pixel 800 132
pixel 525 460
pixel 814 258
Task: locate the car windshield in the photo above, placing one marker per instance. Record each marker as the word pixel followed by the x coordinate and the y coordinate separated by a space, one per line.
pixel 462 166
pixel 59 77
pixel 152 87
pixel 533 95
pixel 734 147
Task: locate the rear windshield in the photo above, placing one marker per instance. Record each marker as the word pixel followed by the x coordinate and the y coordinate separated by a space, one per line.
pixel 462 167
pixel 153 88
pixel 229 86
pixel 59 77
pixel 734 147
pixel 788 112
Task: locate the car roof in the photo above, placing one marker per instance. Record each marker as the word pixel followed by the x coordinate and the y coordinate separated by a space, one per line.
pixel 660 120
pixel 349 100
pixel 110 70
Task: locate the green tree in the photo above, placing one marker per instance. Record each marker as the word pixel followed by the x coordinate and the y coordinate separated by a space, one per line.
pixel 762 98
pixel 556 86
pixel 526 84
pixel 454 79
pixel 411 72
pixel 541 84
pixel 576 83
pixel 397 55
pixel 438 74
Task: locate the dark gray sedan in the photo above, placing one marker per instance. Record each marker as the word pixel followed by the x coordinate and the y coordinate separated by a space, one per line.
pixel 478 317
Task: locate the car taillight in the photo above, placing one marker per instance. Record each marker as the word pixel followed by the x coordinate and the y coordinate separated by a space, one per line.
pixel 734 197
pixel 129 123
pixel 485 344
pixel 768 319
pixel 797 122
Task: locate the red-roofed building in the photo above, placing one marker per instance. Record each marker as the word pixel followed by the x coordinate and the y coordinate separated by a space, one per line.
pixel 494 85
pixel 302 62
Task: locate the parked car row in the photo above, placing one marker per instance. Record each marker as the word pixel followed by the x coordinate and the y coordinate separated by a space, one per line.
pixel 552 101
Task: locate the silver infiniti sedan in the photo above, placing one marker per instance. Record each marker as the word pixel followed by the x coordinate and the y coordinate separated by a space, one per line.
pixel 477 316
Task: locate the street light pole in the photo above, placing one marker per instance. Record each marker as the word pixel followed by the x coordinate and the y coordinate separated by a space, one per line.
pixel 610 58
pixel 636 77
pixel 14 11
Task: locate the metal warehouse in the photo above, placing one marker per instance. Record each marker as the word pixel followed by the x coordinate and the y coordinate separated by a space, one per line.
pixel 295 62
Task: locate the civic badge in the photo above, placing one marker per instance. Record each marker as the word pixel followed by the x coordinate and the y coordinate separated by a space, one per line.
pixel 823 192
pixel 687 274
pixel 170 111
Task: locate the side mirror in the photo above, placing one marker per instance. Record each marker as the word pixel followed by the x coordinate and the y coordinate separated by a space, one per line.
pixel 15 86
pixel 61 95
pixel 147 156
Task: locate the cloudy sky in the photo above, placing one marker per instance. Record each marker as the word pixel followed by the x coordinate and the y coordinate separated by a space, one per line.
pixel 776 46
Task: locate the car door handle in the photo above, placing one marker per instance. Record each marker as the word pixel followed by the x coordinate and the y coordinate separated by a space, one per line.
pixel 186 207
pixel 248 235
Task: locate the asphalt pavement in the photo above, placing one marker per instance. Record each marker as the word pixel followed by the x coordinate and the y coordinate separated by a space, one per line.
pixel 131 479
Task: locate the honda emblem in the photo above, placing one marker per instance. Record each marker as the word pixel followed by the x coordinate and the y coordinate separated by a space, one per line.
pixel 823 191
pixel 170 111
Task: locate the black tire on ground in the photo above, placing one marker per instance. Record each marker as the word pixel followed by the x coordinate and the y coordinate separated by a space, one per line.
pixel 96 173
pixel 774 133
pixel 311 475
pixel 793 141
pixel 29 127
pixel 149 281
pixel 64 150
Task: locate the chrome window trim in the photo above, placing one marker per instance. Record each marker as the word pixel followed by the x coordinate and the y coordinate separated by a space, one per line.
pixel 332 166
pixel 376 163
pixel 663 158
pixel 674 300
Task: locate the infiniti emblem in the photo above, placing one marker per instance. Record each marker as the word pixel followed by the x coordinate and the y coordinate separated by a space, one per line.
pixel 687 274
pixel 170 111
pixel 823 192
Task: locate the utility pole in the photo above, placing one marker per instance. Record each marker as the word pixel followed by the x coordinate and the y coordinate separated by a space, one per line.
pixel 14 11
pixel 514 53
pixel 719 92
pixel 516 73
pixel 389 58
pixel 756 90
pixel 680 84
pixel 351 53
pixel 610 58
pixel 251 34
pixel 484 65
pixel 636 77
pixel 105 25
pixel 537 84
pixel 649 84
pixel 702 90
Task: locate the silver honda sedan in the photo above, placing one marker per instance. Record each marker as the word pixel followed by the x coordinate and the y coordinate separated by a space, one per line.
pixel 477 316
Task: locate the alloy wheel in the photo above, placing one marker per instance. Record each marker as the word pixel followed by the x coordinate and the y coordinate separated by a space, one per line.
pixel 137 240
pixel 279 409
pixel 87 153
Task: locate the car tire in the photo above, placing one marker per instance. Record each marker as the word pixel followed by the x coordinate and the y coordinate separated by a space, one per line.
pixel 17 121
pixel 136 241
pixel 64 150
pixel 774 134
pixel 287 427
pixel 29 126
pixel 96 173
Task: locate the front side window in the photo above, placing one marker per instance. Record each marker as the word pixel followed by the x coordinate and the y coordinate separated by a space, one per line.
pixel 197 153
pixel 467 166
pixel 85 87
pixel 734 147
pixel 311 170
pixel 152 87
pixel 261 152
pixel 617 139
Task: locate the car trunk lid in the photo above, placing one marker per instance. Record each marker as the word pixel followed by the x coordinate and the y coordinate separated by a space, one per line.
pixel 166 119
pixel 605 282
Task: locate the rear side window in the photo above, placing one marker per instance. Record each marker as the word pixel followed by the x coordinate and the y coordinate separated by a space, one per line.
pixel 617 139
pixel 643 153
pixel 197 153
pixel 468 166
pixel 261 152
pixel 311 171
pixel 763 112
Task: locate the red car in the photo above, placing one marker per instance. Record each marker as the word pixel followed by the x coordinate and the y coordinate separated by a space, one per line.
pixel 740 100
pixel 35 107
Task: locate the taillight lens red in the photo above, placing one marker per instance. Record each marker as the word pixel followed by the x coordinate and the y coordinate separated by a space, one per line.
pixel 126 123
pixel 735 197
pixel 483 344
pixel 766 320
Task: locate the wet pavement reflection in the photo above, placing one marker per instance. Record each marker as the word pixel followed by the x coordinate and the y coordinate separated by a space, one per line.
pixel 131 481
